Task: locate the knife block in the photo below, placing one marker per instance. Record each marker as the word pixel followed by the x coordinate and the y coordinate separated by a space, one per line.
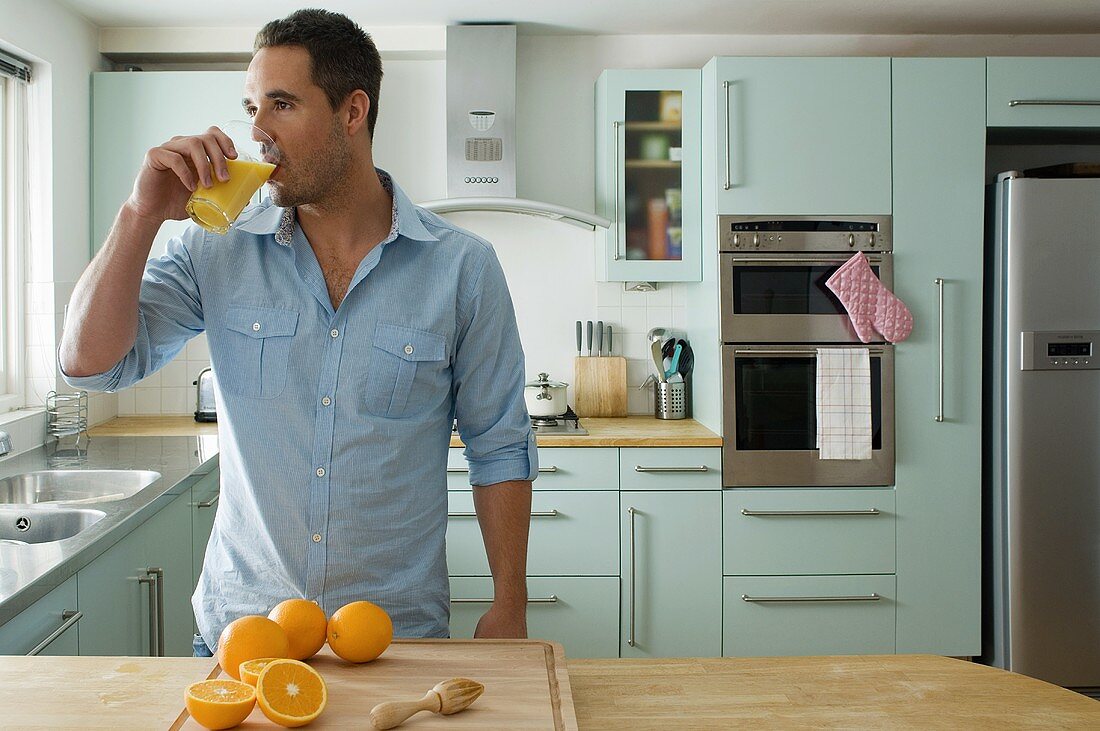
pixel 599 385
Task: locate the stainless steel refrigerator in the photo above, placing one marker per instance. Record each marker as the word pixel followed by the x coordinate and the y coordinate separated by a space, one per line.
pixel 1042 428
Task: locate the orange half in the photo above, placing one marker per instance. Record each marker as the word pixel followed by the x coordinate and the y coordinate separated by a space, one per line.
pixel 218 704
pixel 250 669
pixel 291 693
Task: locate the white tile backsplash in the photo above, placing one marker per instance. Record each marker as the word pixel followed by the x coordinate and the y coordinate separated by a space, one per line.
pixel 177 401
pixel 147 401
pixel 127 402
pixel 174 375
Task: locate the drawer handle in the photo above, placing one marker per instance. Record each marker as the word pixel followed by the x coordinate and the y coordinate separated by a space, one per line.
pixel 534 514
pixel 778 599
pixel 465 470
pixel 1054 103
pixel 807 513
pixel 209 503
pixel 552 599
pixel 700 468
pixel 938 281
pixel 633 577
pixel 726 90
pixel 70 617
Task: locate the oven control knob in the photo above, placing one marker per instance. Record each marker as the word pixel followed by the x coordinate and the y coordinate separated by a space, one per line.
pixel 756 240
pixel 851 239
pixel 871 240
pixel 737 239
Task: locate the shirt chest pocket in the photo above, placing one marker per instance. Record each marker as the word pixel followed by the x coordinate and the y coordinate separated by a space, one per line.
pixel 259 340
pixel 408 372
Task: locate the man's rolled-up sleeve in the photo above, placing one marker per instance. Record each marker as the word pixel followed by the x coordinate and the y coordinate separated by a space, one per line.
pixel 169 314
pixel 488 383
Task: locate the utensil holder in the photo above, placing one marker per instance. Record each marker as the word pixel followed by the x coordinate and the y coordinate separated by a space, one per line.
pixel 66 414
pixel 672 400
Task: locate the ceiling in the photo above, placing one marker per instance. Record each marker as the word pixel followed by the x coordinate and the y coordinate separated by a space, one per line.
pixel 733 17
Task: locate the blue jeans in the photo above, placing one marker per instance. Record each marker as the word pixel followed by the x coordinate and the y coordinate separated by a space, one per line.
pixel 199 647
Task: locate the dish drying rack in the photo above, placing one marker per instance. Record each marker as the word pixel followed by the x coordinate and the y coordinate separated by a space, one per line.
pixel 67 416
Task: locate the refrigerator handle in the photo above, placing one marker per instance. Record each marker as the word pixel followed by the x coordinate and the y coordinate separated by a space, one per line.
pixel 939 413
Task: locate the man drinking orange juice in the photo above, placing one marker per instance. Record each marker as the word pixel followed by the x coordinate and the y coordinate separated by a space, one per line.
pixel 347 328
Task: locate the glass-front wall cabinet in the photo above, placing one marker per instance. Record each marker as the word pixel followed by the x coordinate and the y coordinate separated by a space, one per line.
pixel 647 172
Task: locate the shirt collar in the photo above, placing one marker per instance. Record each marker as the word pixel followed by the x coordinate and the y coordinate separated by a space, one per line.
pixel 280 221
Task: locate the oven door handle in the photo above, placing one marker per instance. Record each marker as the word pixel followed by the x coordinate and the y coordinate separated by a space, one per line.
pixel 808 353
pixel 802 260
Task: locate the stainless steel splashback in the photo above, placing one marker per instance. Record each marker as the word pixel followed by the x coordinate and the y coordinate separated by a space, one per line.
pixel 481 110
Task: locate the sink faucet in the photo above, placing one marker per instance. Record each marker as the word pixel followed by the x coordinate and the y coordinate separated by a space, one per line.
pixel 5 443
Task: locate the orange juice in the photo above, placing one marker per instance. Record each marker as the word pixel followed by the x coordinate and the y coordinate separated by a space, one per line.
pixel 218 206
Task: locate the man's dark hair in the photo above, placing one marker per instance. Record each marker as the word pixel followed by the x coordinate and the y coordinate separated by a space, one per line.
pixel 342 55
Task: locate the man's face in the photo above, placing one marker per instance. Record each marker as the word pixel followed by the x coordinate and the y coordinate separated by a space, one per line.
pixel 312 149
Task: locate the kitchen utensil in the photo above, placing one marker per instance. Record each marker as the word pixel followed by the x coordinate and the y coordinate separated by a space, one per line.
pixel 578 338
pixel 609 351
pixel 674 363
pixel 687 359
pixel 545 397
pixel 450 696
pixel 656 336
pixel 589 337
pixel 599 338
pixel 668 347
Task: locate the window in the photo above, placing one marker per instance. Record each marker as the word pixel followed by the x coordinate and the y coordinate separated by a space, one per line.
pixel 14 78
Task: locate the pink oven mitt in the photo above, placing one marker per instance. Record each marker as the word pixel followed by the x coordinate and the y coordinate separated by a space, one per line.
pixel 870 305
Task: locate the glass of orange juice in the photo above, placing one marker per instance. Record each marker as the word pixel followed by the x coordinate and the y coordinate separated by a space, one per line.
pixel 217 207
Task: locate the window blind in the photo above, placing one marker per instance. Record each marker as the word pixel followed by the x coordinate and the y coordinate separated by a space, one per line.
pixel 15 67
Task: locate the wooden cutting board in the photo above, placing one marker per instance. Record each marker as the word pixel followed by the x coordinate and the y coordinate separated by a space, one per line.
pixel 599 385
pixel 526 686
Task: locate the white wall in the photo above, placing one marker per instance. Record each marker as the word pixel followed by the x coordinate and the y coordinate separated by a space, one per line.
pixel 63 48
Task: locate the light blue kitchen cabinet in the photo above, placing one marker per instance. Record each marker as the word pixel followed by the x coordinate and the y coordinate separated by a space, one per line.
pixel 50 625
pixel 581 612
pixel 670 468
pixel 798 136
pixel 939 159
pixel 136 595
pixel 572 534
pixel 812 531
pixel 671 574
pixel 808 615
pixel 560 468
pixel 204 507
pixel 1043 92
pixel 648 183
pixel 134 111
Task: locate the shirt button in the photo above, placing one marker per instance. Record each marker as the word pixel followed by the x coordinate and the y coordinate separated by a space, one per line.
pixel 334 333
pixel 408 350
pixel 316 537
pixel 320 471
pixel 255 327
pixel 326 401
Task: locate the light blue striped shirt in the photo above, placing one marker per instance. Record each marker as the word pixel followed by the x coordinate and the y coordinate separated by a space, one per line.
pixel 334 426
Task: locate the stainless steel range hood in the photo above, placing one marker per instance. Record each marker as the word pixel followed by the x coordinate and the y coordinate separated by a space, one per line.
pixel 481 128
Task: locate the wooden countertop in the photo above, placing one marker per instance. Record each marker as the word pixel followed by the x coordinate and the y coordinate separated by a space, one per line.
pixel 895 692
pixel 630 431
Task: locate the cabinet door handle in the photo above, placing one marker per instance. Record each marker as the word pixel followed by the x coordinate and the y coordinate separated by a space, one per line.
pixel 69 617
pixel 473 514
pixel 726 89
pixel 615 193
pixel 633 576
pixel 209 503
pixel 150 581
pixel 466 470
pixel 779 599
pixel 158 576
pixel 939 413
pixel 700 468
pixel 1054 103
pixel 807 513
pixel 552 599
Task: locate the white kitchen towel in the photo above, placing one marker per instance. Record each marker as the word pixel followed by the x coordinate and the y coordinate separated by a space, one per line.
pixel 844 403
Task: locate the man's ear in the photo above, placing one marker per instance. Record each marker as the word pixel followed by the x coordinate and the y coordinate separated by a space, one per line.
pixel 355 112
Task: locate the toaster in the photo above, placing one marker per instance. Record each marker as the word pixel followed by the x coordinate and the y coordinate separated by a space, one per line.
pixel 205 403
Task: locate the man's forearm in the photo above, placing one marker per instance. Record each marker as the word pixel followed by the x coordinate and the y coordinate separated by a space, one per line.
pixel 504 512
pixel 101 324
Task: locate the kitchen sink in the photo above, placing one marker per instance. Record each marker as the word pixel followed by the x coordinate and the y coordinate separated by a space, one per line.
pixel 69 486
pixel 21 525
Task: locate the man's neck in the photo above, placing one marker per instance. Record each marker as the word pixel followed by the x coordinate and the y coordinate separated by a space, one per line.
pixel 351 221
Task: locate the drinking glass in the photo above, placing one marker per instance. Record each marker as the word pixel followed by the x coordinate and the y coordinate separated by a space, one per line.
pixel 217 207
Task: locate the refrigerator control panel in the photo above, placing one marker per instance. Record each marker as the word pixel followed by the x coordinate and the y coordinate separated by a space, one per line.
pixel 1074 350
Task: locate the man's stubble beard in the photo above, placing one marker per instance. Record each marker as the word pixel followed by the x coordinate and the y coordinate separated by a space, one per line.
pixel 319 178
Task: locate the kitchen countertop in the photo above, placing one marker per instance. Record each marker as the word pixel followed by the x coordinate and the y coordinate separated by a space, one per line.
pixel 27 573
pixel 630 431
pixel 873 691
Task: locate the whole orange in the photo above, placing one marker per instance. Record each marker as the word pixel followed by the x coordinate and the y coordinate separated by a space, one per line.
pixel 305 625
pixel 248 638
pixel 359 631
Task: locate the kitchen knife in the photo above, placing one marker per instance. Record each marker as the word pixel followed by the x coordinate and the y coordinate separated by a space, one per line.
pixel 609 352
pixel 578 338
pixel 599 337
pixel 590 337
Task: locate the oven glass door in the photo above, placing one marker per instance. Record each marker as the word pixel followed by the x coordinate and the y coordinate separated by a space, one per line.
pixel 771 420
pixel 783 298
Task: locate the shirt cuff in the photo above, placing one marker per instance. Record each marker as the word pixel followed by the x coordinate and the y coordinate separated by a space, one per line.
pixel 522 463
pixel 106 381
